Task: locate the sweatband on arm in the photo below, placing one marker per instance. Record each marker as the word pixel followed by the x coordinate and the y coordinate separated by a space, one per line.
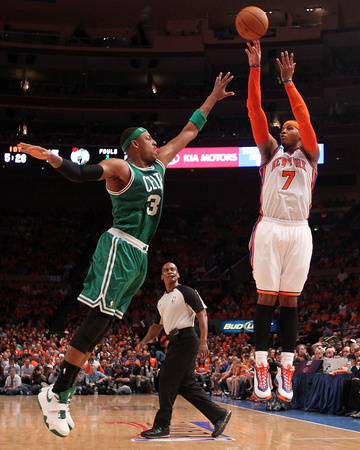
pixel 259 124
pixel 302 116
pixel 79 174
pixel 198 119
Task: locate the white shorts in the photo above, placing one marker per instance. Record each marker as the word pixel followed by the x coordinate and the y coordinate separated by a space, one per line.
pixel 280 254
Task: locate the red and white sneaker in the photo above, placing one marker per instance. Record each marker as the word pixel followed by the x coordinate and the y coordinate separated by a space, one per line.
pixel 262 390
pixel 284 384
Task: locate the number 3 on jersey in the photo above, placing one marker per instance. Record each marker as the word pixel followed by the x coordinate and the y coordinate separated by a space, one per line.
pixel 290 174
pixel 154 201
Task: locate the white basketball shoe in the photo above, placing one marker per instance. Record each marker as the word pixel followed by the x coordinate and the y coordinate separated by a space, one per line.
pixel 262 390
pixel 283 380
pixel 55 408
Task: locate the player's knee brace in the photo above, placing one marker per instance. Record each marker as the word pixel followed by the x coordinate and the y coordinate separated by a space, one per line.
pixel 92 330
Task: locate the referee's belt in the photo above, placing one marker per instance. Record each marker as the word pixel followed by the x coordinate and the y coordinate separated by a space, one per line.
pixel 183 331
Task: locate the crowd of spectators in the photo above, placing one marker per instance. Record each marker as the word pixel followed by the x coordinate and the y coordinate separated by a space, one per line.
pixel 29 361
pixel 35 285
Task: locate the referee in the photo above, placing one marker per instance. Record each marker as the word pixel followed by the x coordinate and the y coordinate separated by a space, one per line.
pixel 176 311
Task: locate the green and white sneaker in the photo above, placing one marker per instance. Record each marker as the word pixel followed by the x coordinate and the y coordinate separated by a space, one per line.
pixel 55 408
pixel 68 416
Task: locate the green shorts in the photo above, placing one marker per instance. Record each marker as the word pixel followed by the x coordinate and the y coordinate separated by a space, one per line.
pixel 117 272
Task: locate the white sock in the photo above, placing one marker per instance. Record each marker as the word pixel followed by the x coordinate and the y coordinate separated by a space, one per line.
pixel 261 357
pixel 287 359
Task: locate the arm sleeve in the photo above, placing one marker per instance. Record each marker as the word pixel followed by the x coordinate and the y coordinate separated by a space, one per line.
pixel 302 116
pixel 80 174
pixel 259 124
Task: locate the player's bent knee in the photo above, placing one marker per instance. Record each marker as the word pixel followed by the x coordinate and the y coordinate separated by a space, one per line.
pixel 93 329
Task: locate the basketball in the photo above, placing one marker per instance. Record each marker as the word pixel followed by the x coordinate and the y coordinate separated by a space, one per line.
pixel 251 23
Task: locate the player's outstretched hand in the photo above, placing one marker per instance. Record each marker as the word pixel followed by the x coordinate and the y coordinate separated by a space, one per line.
pixel 254 52
pixel 34 150
pixel 219 91
pixel 287 65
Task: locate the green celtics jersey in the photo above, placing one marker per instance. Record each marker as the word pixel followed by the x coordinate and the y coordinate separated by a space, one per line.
pixel 136 209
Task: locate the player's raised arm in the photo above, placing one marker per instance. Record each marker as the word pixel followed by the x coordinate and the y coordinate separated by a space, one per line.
pixel 259 125
pixel 298 106
pixel 166 153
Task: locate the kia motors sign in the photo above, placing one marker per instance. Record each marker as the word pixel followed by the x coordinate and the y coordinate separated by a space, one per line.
pixel 218 157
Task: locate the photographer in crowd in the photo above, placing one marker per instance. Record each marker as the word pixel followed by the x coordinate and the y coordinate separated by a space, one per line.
pixel 37 377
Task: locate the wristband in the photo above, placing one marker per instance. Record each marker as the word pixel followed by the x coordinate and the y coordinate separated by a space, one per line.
pixel 198 119
pixel 256 65
pixel 288 80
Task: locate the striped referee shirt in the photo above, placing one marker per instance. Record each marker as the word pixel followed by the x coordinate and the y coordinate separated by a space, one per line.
pixel 177 308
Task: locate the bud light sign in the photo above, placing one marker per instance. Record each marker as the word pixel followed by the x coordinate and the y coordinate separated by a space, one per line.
pixel 235 326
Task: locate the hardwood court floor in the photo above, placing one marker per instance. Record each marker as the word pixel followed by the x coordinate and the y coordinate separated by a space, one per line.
pixel 115 422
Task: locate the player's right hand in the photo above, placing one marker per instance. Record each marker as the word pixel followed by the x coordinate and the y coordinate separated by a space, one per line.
pixel 34 150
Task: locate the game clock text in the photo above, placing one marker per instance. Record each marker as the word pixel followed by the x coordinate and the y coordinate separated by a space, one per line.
pixel 13 155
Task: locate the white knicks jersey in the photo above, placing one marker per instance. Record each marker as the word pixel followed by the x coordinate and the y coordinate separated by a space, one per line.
pixel 287 183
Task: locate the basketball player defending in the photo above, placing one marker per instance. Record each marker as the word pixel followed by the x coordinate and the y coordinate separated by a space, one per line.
pixel 281 241
pixel 119 264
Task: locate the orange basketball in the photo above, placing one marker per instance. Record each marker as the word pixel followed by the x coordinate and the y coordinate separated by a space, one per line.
pixel 251 23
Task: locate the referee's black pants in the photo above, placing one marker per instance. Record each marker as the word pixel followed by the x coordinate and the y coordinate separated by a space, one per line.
pixel 351 394
pixel 177 376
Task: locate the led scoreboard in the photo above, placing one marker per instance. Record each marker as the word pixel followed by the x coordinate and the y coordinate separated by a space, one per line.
pixel 13 155
pixel 188 158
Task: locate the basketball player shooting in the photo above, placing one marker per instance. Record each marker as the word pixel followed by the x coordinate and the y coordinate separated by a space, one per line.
pixel 281 241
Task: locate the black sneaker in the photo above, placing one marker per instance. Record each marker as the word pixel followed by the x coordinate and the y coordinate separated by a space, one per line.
pixel 219 425
pixel 350 413
pixel 156 433
pixel 344 412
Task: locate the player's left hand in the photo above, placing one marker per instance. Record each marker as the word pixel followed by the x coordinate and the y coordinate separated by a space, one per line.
pixel 221 82
pixel 287 65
